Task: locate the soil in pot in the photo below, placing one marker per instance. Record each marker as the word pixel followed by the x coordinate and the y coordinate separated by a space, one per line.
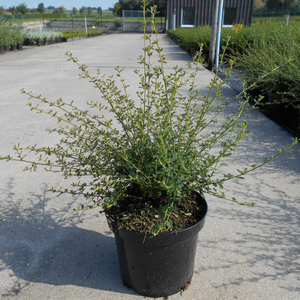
pixel 161 265
pixel 140 214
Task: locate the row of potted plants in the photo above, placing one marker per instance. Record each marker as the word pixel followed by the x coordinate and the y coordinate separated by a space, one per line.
pixel 69 34
pixel 42 38
pixel 45 38
pixel 12 37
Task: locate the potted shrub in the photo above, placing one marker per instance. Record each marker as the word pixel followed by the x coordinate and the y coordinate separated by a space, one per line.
pixel 58 36
pixel 19 39
pixel 13 41
pixel 6 41
pixel 40 39
pixel 2 33
pixel 1 44
pixel 30 38
pixel 275 52
pixel 16 37
pixel 52 38
pixel 46 37
pixel 6 38
pixel 26 38
pixel 13 45
pixel 149 167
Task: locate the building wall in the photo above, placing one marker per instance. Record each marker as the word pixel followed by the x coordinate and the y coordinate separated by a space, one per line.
pixel 205 9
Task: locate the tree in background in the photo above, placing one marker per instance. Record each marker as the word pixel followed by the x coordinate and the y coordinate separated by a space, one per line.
pixel 41 8
pixel 279 5
pixel 12 10
pixel 74 11
pixel 83 10
pixel 89 11
pixel 275 5
pixel 61 10
pixel 1 10
pixel 116 9
pixel 22 8
pixel 259 5
pixel 136 5
pixel 290 4
pixel 99 10
pixel 130 4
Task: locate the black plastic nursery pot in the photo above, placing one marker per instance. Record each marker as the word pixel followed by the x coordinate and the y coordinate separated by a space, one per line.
pixel 20 46
pixel 158 266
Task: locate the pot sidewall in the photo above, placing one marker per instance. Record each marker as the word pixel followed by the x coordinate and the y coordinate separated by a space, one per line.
pixel 158 266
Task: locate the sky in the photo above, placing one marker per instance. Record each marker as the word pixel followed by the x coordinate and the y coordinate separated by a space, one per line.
pixel 68 4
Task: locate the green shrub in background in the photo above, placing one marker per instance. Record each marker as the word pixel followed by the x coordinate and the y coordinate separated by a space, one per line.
pixel 73 33
pixel 10 35
pixel 5 38
pixel 57 35
pixel 45 35
pixel 32 37
pixel 192 38
pixel 258 49
pixel 18 35
pixel 118 22
pixel 276 48
pixel 267 54
pixel 80 33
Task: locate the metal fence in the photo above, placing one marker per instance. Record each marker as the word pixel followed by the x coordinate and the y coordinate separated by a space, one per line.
pixel 282 15
pixel 52 16
pixel 133 21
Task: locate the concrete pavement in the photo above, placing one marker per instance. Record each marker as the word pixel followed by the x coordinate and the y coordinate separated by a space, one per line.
pixel 48 253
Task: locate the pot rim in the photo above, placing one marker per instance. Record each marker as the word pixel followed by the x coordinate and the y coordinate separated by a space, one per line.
pixel 147 237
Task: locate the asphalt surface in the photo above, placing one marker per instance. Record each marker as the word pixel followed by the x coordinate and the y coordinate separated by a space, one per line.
pixel 47 252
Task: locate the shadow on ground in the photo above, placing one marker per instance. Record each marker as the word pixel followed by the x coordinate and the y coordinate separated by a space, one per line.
pixel 42 245
pixel 264 242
